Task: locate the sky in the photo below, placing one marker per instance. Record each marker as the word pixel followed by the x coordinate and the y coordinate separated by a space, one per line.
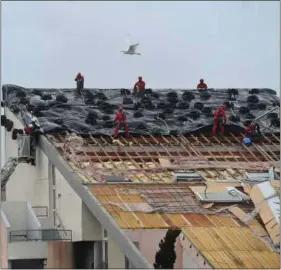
pixel 229 44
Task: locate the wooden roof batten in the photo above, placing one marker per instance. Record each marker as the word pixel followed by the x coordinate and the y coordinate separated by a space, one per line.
pixel 184 157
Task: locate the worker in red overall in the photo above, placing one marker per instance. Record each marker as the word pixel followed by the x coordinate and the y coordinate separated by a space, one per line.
pixel 139 86
pixel 120 117
pixel 79 81
pixel 252 130
pixel 202 86
pixel 219 120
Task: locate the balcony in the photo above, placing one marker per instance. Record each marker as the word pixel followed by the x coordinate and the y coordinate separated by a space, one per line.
pixel 40 235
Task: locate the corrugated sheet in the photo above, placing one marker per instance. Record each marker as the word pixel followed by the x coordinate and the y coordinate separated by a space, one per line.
pixel 168 202
pixel 232 247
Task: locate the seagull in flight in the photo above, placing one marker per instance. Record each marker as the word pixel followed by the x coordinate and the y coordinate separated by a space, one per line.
pixel 132 50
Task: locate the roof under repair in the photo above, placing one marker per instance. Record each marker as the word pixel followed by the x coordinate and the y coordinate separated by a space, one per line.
pixel 212 188
pixel 160 112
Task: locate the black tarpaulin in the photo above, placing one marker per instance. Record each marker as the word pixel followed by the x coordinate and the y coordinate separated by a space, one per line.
pixel 159 112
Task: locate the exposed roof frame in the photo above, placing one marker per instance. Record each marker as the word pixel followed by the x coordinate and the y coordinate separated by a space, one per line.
pixel 93 204
pixel 126 245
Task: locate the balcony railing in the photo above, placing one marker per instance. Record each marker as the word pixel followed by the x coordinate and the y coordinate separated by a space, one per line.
pixel 40 235
pixel 40 211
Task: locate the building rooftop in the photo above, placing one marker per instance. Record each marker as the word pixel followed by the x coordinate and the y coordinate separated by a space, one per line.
pixel 159 179
pixel 157 206
pixel 232 247
pixel 156 159
pixel 161 112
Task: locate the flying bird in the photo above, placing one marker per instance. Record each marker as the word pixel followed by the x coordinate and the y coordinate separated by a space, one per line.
pixel 132 50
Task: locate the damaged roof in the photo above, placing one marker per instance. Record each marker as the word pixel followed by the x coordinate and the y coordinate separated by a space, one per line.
pixel 232 247
pixel 160 112
pixel 168 159
pixel 156 206
pixel 185 179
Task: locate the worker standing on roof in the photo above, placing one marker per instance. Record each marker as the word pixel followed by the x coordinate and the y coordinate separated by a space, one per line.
pixel 120 117
pixel 202 86
pixel 139 86
pixel 79 81
pixel 219 120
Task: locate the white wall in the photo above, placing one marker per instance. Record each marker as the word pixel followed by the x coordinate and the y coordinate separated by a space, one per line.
pixel 28 250
pixel 27 183
pixel 33 223
pixel 190 258
pixel 116 258
pixel 69 207
pixel 16 214
pixel 91 228
pixel 21 217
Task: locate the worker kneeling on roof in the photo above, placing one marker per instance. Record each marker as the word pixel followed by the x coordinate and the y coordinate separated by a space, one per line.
pixel 219 120
pixel 120 118
pixel 202 86
pixel 139 86
pixel 252 131
pixel 79 81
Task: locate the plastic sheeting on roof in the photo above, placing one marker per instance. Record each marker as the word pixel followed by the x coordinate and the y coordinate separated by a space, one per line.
pixel 160 112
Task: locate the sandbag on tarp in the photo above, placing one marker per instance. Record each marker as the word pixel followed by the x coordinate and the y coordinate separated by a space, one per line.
pixel 161 112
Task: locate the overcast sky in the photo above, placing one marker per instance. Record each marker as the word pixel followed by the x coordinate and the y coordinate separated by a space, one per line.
pixel 229 44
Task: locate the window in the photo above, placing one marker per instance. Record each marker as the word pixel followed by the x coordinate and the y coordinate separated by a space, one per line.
pixel 104 254
pixel 128 264
pixel 52 173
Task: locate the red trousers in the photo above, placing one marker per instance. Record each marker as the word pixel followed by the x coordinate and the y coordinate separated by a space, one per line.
pixel 218 123
pixel 125 125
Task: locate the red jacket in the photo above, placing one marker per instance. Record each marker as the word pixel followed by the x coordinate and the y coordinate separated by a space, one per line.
pixel 120 117
pixel 140 85
pixel 27 130
pixel 79 77
pixel 220 114
pixel 251 128
pixel 202 86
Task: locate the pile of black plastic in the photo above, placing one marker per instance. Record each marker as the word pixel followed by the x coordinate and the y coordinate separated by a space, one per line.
pixel 157 112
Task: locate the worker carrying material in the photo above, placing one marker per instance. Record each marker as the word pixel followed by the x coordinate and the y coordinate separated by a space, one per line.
pixel 121 119
pixel 219 120
pixel 79 81
pixel 202 86
pixel 139 86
